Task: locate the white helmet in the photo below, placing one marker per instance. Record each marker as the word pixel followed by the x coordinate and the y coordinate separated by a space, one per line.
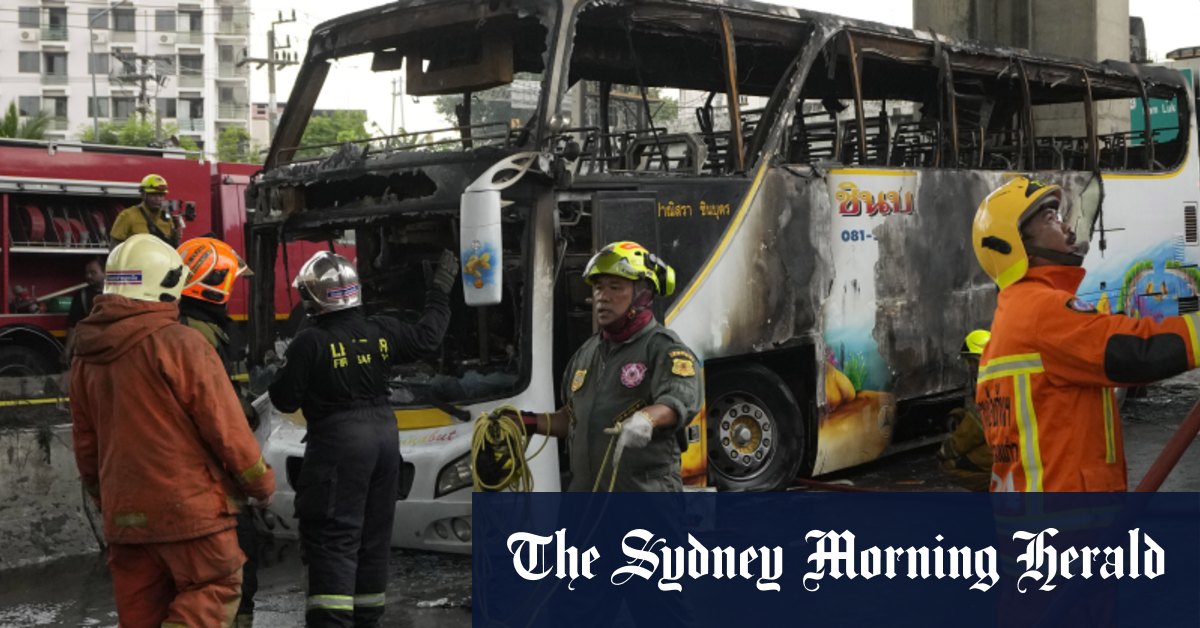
pixel 145 268
pixel 328 283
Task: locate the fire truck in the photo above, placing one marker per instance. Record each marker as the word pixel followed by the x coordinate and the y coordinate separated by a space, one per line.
pixel 57 203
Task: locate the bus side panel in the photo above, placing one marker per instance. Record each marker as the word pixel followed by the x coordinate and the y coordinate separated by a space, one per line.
pixel 762 281
pixel 756 289
pixel 1148 264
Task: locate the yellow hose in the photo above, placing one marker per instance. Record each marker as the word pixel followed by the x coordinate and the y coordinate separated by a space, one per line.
pixel 612 440
pixel 505 437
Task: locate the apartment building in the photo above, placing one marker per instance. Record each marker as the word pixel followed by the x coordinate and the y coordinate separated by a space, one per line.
pixel 260 122
pixel 176 60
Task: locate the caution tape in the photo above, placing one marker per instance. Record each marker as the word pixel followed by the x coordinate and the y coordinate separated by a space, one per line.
pixel 33 402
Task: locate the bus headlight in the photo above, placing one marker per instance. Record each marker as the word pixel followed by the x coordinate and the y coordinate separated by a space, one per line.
pixel 454 476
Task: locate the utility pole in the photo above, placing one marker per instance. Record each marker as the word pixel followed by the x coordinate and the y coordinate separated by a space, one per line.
pixel 145 70
pixel 273 60
pixel 392 130
pixel 397 90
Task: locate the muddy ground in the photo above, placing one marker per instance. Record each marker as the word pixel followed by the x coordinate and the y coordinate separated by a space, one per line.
pixel 433 590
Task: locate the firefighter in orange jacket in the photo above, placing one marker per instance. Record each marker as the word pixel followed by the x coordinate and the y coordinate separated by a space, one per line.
pixel 1046 378
pixel 162 445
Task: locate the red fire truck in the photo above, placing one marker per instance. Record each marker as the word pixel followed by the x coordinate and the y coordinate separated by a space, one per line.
pixel 57 202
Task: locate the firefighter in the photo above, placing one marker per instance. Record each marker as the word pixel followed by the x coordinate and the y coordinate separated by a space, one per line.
pixel 161 445
pixel 1046 378
pixel 630 390
pixel 81 303
pixel 214 267
pixel 152 215
pixel 965 454
pixel 337 371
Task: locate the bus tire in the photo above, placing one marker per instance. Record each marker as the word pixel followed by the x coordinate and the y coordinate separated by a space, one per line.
pixel 21 361
pixel 756 434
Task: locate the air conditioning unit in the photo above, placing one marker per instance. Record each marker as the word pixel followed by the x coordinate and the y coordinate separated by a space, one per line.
pixel 166 39
pixel 29 34
pixel 100 37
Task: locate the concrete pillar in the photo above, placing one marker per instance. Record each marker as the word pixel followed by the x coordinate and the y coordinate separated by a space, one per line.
pixel 1093 30
pixel 1086 29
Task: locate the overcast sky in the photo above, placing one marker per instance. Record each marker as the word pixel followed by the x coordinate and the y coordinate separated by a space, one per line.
pixel 1170 24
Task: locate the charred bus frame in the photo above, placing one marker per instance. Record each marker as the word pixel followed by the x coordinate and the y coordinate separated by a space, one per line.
pixel 750 208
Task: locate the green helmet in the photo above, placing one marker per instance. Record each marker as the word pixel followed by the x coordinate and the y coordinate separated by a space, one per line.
pixel 633 262
pixel 153 184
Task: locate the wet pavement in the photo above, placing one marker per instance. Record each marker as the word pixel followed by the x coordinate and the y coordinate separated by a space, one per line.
pixel 433 590
pixel 426 590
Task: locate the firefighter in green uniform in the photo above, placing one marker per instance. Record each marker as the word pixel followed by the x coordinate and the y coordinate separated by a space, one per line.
pixel 152 215
pixel 965 454
pixel 630 390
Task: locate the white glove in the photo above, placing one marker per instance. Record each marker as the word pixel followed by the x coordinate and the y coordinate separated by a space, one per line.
pixel 634 432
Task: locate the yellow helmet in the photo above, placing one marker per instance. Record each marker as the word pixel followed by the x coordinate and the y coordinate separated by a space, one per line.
pixel 145 268
pixel 975 341
pixel 996 234
pixel 633 262
pixel 153 184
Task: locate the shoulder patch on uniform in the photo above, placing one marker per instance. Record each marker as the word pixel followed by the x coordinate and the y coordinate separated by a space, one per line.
pixel 1079 305
pixel 577 380
pixel 679 353
pixel 683 367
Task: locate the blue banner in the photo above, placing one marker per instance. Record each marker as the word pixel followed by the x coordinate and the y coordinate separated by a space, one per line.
pixel 836 559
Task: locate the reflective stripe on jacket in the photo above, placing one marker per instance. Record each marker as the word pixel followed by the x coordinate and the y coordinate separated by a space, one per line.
pixel 1046 378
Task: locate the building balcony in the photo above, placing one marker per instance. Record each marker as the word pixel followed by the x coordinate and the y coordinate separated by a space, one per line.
pixel 233 111
pixel 230 70
pixel 54 79
pixel 58 123
pixel 193 81
pixel 235 27
pixel 54 33
pixel 191 125
pixel 190 37
pixel 124 36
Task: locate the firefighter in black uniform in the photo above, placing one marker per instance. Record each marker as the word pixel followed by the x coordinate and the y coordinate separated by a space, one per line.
pixel 337 372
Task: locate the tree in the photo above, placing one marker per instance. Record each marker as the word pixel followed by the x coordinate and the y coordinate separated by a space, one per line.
pixel 234 144
pixel 33 127
pixel 135 131
pixel 401 139
pixel 336 127
pixel 663 109
pixel 489 105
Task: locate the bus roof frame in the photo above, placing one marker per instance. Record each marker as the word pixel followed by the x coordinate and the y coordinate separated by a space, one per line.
pixel 364 31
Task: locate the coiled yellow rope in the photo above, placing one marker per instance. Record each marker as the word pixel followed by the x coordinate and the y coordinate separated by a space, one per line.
pixel 504 438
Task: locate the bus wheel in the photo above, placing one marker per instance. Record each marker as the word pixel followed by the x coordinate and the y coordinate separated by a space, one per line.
pixel 755 429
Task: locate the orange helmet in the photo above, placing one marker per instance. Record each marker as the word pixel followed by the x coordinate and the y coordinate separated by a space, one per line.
pixel 215 266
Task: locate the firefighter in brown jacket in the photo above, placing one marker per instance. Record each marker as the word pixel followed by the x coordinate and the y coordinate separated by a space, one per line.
pixel 162 445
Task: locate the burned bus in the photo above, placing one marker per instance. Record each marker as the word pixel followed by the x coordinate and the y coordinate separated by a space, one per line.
pixel 811 179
